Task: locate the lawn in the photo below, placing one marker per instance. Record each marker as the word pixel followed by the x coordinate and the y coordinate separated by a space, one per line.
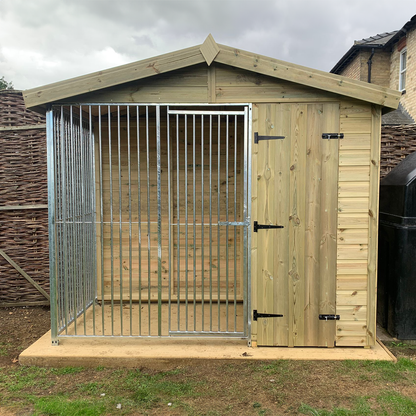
pixel 204 388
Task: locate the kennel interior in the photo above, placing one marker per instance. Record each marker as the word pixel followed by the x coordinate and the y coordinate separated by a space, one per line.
pixel 150 220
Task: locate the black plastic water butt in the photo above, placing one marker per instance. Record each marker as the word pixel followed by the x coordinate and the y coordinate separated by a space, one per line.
pixel 396 294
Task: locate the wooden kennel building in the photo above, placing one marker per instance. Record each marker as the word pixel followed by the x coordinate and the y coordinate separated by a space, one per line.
pixel 213 192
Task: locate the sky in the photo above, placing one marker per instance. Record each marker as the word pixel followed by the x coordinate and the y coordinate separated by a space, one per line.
pixel 44 41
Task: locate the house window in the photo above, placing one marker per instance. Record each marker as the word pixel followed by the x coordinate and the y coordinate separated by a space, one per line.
pixel 402 78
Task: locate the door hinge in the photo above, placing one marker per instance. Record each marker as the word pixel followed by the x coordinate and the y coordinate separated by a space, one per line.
pixel 329 317
pixel 257 138
pixel 257 315
pixel 258 226
pixel 329 136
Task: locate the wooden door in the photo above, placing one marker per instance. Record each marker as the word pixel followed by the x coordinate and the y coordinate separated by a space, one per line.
pixel 294 268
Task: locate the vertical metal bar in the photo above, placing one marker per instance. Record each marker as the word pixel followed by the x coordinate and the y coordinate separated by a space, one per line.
pixel 120 218
pixel 148 220
pixel 83 277
pixel 210 223
pixel 159 225
pixel 130 225
pixel 194 215
pixel 100 149
pixel 226 219
pixel 64 179
pixel 178 220
pixel 73 219
pixel 247 261
pixel 218 227
pixel 139 201
pixel 93 233
pixel 111 219
pixel 170 224
pixel 186 221
pixel 51 224
pixel 235 220
pixel 202 226
pixel 246 203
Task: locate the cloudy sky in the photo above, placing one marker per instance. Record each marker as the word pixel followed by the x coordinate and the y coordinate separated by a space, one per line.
pixel 43 41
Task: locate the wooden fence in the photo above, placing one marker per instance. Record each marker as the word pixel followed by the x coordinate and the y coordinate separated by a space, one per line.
pixel 24 273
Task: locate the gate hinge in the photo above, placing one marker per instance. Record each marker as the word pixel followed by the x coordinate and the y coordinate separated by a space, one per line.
pixel 265 315
pixel 329 136
pixel 329 317
pixel 257 138
pixel 258 226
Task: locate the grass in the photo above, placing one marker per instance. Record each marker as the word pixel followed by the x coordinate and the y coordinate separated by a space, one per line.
pixel 4 349
pixel 362 388
pixel 385 404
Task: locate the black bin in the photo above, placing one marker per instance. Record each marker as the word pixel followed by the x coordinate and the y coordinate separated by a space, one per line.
pixel 396 294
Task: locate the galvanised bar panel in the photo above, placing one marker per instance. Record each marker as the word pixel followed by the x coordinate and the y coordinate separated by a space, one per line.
pixel 78 177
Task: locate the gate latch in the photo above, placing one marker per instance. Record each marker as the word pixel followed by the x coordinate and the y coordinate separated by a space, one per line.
pixel 329 317
pixel 257 315
pixel 333 136
pixel 258 226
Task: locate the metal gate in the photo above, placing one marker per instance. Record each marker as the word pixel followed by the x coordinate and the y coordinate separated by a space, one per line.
pixel 149 219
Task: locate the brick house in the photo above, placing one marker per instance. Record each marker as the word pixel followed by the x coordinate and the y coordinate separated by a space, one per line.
pixel 388 60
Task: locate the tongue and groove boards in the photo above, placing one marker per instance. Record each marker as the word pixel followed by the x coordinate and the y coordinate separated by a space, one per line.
pixel 295 267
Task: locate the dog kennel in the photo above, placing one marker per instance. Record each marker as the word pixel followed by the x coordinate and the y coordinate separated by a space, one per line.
pixel 212 192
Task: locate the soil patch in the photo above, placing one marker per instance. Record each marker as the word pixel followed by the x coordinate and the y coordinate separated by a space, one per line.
pixel 20 328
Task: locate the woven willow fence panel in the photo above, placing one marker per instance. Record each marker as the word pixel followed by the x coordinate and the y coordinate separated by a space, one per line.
pixel 23 232
pixel 397 142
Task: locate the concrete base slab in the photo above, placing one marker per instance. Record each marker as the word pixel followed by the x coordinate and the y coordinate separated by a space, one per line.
pixel 168 353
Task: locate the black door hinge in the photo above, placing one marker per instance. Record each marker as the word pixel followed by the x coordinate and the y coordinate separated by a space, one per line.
pixel 329 136
pixel 257 315
pixel 258 226
pixel 257 138
pixel 329 317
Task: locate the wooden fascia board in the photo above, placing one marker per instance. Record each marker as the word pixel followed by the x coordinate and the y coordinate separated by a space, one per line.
pixel 114 76
pixel 309 77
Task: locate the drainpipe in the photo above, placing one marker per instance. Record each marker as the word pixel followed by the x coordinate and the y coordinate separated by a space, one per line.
pixel 369 63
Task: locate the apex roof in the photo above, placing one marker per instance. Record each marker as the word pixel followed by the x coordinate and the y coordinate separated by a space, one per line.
pixel 208 53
